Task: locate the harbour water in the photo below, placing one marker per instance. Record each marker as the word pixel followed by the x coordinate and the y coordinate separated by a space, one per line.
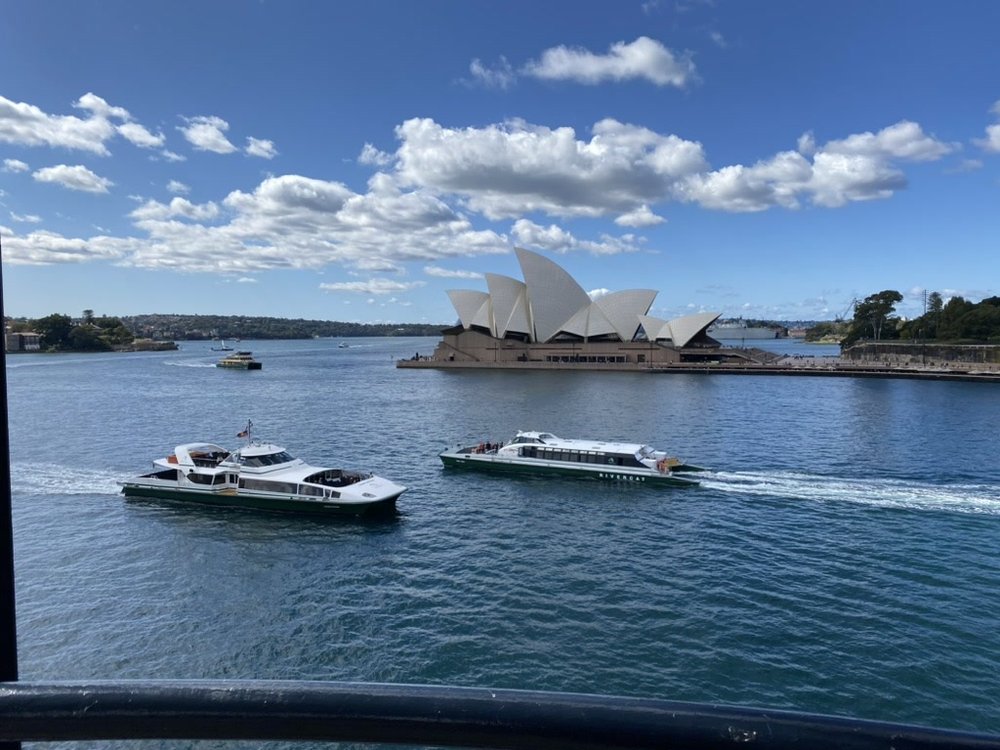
pixel 840 557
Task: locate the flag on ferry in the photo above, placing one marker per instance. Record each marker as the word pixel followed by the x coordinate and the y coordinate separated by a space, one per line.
pixel 246 431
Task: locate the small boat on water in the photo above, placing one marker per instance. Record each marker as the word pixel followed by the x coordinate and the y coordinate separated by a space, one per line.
pixel 223 347
pixel 544 453
pixel 239 361
pixel 262 476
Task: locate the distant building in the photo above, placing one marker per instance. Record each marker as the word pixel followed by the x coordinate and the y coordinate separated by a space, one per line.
pixel 22 341
pixel 548 317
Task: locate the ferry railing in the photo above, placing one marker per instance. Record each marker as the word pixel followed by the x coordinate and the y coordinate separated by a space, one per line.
pixel 423 715
pixel 427 715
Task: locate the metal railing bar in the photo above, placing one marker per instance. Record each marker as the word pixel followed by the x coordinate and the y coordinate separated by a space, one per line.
pixel 430 715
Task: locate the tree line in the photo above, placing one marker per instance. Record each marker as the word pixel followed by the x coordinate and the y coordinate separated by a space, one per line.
pixel 956 321
pixel 61 332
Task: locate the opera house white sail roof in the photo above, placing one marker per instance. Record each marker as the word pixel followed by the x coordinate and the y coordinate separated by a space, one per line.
pixel 550 303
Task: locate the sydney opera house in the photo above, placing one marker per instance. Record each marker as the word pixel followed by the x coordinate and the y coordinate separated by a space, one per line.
pixel 549 318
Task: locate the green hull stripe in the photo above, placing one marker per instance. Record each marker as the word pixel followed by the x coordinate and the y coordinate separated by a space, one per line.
pixel 610 474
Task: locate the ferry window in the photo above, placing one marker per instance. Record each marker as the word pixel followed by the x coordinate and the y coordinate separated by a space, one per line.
pixel 219 479
pixel 308 489
pixel 199 478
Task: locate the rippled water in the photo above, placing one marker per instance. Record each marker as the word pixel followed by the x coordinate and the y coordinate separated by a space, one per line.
pixel 839 557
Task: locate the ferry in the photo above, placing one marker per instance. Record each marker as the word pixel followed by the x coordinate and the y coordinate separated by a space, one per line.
pixel 262 476
pixel 545 453
pixel 239 361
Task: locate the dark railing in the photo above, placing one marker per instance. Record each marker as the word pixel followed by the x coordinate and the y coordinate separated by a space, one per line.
pixel 427 715
pixel 423 715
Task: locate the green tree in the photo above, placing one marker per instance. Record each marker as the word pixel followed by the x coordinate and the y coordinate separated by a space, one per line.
pixel 873 317
pixel 87 339
pixel 55 330
pixel 88 316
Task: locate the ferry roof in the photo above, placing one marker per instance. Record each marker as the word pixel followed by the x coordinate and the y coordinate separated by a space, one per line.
pixel 583 444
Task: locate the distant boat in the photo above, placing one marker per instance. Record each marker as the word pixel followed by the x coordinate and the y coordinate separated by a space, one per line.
pixel 738 329
pixel 342 345
pixel 239 361
pixel 223 348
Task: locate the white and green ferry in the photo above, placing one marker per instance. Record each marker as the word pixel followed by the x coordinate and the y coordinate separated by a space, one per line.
pixel 544 453
pixel 262 476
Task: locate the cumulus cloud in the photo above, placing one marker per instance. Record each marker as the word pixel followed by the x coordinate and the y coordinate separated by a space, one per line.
pixel 207 134
pixel 178 208
pixel 293 221
pixel 640 217
pixel 373 157
pixel 445 273
pixel 47 248
pixel 372 286
pixel 27 125
pixel 860 167
pixel 76 177
pixel 260 148
pixel 557 240
pixel 504 171
pixel 136 134
pixel 178 188
pixel 644 58
pixel 991 142
pixel 14 165
pixel 26 218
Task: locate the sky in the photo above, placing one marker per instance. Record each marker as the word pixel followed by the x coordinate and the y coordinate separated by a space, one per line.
pixel 354 160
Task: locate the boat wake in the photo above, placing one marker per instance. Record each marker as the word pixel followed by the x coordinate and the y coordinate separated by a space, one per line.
pixel 878 492
pixel 190 363
pixel 52 479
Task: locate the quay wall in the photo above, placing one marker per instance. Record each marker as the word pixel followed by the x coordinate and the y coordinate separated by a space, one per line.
pixel 807 368
pixel 894 353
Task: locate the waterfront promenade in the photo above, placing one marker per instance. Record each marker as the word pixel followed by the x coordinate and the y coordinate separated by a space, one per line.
pixel 788 366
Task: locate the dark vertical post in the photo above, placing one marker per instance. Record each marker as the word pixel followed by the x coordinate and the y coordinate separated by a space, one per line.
pixel 8 616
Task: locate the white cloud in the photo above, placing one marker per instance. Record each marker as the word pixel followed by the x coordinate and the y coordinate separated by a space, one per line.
pixel 505 171
pixel 171 156
pixel 76 177
pixel 640 217
pixel 500 76
pixel 595 293
pixel 136 134
pixel 47 248
pixel 177 208
pixel 719 39
pixel 27 125
pixel 372 286
pixel 372 156
pixel 14 165
pixel 261 148
pixel 207 134
pixel 644 58
pixel 178 188
pixel 25 219
pixel 246 280
pixel 991 142
pixel 445 273
pixel 299 222
pixel 859 167
pixel 557 240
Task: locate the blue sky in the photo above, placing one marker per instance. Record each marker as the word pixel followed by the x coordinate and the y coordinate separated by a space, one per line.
pixel 354 160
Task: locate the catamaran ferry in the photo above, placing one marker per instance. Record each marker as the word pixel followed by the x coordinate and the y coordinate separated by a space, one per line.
pixel 544 453
pixel 261 476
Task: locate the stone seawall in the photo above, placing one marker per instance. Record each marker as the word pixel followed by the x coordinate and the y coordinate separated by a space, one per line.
pixel 819 367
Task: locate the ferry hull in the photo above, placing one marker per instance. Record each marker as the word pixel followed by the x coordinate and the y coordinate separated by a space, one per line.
pixel 262 502
pixel 610 474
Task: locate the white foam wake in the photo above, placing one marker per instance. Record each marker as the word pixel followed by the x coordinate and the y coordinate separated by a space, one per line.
pixel 52 479
pixel 878 492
